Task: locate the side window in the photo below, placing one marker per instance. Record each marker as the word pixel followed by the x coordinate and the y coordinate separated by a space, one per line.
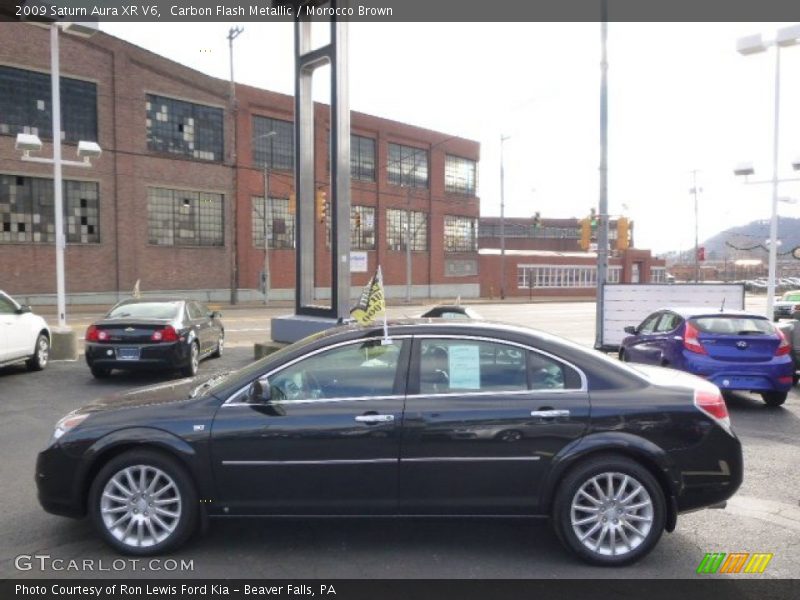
pixel 194 311
pixel 453 366
pixel 668 322
pixel 549 374
pixel 358 370
pixel 6 305
pixel 649 324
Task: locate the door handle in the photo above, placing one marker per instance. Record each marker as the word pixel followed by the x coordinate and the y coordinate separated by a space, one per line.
pixel 375 418
pixel 549 414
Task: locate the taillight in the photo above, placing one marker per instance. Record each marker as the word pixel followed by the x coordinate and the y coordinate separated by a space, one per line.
pixel 784 347
pixel 713 404
pixel 93 334
pixel 690 341
pixel 167 334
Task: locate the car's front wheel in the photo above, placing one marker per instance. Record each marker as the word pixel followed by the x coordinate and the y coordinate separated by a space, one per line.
pixel 41 354
pixel 609 511
pixel 774 398
pixel 143 502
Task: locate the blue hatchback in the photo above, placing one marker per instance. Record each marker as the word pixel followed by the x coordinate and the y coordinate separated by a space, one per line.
pixel 733 349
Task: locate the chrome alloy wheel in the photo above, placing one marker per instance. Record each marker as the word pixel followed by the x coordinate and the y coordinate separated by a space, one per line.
pixel 42 351
pixel 195 358
pixel 611 514
pixel 140 506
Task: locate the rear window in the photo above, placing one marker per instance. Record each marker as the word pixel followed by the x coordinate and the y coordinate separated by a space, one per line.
pixel 791 297
pixel 145 310
pixel 733 325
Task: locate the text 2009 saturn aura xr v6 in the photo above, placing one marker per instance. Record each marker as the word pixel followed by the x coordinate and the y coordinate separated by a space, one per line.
pixel 441 418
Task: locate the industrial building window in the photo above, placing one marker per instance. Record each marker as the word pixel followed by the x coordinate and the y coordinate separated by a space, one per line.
pixel 27 215
pixel 274 151
pixel 397 231
pixel 362 158
pixel 407 166
pixel 562 276
pixel 185 218
pixel 460 175
pixel 179 127
pixel 280 223
pixel 362 227
pixel 26 105
pixel 658 274
pixel 460 234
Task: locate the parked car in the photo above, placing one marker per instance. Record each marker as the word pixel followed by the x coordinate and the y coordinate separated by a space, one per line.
pixel 168 333
pixel 24 336
pixel 787 306
pixel 450 311
pixel 350 423
pixel 735 350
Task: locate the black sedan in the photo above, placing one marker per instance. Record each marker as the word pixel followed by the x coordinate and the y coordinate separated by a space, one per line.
pixel 450 311
pixel 450 419
pixel 136 334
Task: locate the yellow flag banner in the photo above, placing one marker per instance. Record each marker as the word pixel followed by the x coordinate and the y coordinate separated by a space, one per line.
pixel 372 301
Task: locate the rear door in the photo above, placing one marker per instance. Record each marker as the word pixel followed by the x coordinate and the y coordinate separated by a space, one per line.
pixel 666 339
pixel 644 348
pixel 483 420
pixel 7 321
pixel 202 326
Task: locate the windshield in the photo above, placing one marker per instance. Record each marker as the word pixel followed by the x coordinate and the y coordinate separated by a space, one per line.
pixel 733 325
pixel 145 310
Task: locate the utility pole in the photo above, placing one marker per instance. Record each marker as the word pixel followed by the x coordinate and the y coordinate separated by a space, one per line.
pixel 602 229
pixel 694 191
pixel 233 33
pixel 503 139
pixel 267 274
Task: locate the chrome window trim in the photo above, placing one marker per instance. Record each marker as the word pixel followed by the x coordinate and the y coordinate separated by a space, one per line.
pixel 584 381
pixel 231 401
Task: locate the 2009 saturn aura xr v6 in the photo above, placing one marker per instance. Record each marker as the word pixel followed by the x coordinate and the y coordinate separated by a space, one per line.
pixel 442 418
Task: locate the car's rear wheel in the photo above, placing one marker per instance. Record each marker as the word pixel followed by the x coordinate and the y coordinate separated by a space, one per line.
pixel 191 369
pixel 220 345
pixel 774 398
pixel 100 372
pixel 609 511
pixel 41 354
pixel 143 502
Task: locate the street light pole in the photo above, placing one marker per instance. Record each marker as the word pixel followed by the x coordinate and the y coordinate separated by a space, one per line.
pixel 267 274
pixel 503 139
pixel 694 191
pixel 233 33
pixel 602 229
pixel 773 224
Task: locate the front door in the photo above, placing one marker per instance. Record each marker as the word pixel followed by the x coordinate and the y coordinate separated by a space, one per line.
pixel 482 425
pixel 327 443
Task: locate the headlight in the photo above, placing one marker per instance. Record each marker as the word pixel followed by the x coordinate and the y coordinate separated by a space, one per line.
pixel 68 423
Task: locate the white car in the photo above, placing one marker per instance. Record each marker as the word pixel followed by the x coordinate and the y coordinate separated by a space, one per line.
pixel 24 336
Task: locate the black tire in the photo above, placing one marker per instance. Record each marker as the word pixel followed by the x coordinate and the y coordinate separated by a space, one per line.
pixel 620 467
pixel 100 372
pixel 184 525
pixel 623 356
pixel 41 354
pixel 220 345
pixel 774 399
pixel 191 369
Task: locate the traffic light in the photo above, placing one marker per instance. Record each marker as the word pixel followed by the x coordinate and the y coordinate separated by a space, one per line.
pixel 292 203
pixel 322 205
pixel 593 218
pixel 537 220
pixel 623 233
pixel 586 234
pixel 701 253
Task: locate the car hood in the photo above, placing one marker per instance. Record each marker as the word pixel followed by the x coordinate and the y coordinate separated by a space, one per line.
pixel 160 393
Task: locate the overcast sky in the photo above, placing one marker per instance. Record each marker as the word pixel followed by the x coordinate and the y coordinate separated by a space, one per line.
pixel 680 98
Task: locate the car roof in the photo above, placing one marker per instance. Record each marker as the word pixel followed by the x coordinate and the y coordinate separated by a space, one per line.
pixel 688 312
pixel 148 300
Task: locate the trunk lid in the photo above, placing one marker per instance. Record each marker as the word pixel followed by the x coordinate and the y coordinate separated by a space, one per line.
pixel 737 338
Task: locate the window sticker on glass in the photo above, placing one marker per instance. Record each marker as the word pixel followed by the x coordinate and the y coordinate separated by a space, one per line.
pixel 465 368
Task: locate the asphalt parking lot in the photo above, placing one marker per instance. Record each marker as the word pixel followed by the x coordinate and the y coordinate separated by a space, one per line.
pixel 763 517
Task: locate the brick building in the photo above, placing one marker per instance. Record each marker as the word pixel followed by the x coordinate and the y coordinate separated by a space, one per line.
pixel 157 206
pixel 545 260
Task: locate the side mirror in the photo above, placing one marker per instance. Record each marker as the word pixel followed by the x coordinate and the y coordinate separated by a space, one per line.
pixel 259 392
pixel 23 309
pixel 630 329
pixel 214 314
